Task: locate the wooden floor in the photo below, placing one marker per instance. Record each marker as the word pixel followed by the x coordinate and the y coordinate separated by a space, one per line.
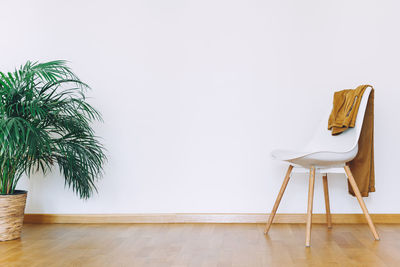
pixel 200 245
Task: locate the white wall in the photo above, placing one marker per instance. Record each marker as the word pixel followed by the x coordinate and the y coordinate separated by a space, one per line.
pixel 195 94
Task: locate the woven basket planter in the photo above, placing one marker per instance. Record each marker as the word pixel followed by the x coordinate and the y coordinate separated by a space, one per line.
pixel 12 209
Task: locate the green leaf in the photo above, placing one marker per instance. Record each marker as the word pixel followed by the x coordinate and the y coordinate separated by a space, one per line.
pixel 45 120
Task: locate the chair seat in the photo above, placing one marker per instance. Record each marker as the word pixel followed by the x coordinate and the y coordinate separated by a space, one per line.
pixel 315 158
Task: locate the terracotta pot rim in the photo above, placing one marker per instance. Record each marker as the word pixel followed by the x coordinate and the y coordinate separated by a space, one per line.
pixel 16 192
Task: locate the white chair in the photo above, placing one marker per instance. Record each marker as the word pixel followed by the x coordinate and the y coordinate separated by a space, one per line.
pixel 325 154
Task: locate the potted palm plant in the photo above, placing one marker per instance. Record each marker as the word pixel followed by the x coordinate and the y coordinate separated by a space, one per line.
pixel 44 121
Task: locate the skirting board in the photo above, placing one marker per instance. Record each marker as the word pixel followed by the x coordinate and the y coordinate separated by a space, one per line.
pixel 204 218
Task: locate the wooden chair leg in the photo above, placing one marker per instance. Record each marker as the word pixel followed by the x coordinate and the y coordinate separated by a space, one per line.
pixel 310 206
pixel 278 199
pixel 327 208
pixel 361 201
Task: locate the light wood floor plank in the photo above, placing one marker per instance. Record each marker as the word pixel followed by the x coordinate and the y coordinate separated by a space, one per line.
pixel 200 245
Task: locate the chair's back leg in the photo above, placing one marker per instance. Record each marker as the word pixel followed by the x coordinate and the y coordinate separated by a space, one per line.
pixel 361 201
pixel 327 208
pixel 310 205
pixel 278 199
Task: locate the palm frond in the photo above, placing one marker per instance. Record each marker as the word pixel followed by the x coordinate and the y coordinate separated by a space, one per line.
pixel 45 120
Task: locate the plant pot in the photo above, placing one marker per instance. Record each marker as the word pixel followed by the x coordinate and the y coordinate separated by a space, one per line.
pixel 12 209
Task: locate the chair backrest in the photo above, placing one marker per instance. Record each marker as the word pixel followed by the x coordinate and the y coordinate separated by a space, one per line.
pixel 323 140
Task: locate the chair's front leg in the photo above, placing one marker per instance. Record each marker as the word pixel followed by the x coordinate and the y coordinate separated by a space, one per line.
pixel 361 201
pixel 327 208
pixel 278 199
pixel 310 205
